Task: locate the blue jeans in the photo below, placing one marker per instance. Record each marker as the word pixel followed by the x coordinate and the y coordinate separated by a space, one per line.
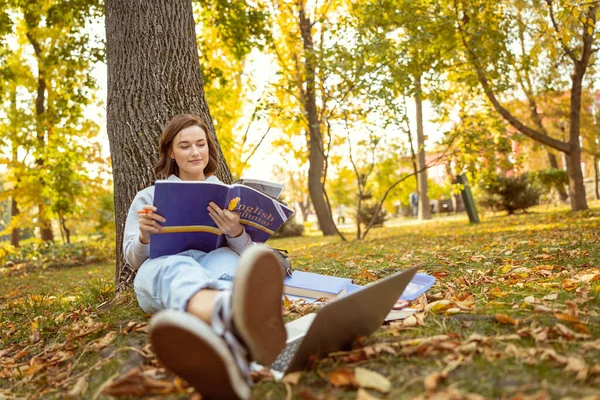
pixel 169 282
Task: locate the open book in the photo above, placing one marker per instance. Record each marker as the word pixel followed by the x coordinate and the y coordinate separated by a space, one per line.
pixel 269 188
pixel 184 205
pixel 315 286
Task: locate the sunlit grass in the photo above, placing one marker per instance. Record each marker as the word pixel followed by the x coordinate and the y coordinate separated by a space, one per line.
pixel 499 263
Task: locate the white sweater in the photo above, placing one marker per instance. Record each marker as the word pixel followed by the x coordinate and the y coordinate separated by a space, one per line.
pixel 136 252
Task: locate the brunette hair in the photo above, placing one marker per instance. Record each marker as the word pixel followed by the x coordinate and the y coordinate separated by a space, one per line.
pixel 165 165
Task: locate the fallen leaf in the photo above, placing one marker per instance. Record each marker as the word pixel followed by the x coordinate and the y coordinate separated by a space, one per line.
pixel 372 380
pixel 437 306
pixel 579 366
pixel 505 319
pixel 540 308
pixel 564 331
pixel 342 377
pixel 292 378
pixel 136 383
pixel 569 284
pixel 363 394
pixel 78 390
pixel 551 296
pixel 498 293
pixel 286 302
pixel 378 348
pixel 105 341
pixel 433 380
pixel 566 317
pixel 581 328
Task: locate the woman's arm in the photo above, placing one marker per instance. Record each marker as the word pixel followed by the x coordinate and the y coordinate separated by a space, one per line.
pixel 239 243
pixel 134 251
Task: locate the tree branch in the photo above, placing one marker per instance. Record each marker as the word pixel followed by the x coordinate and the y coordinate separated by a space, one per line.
pixel 512 120
pixel 567 49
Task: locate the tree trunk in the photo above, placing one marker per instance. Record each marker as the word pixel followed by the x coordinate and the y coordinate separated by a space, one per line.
pixel 153 74
pixel 63 223
pixel 596 178
pixel 424 207
pixel 44 224
pixel 15 234
pixel 304 208
pixel 576 185
pixel 316 155
pixel 562 193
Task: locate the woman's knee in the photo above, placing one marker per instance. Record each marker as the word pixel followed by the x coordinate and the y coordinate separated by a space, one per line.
pixel 221 263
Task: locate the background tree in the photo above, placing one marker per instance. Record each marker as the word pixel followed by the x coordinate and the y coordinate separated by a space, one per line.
pixel 300 50
pixel 229 30
pixel 47 96
pixel 418 37
pixel 489 32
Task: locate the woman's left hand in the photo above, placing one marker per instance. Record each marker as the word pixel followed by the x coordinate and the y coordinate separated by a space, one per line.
pixel 227 221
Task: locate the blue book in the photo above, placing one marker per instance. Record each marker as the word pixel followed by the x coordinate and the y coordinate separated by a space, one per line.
pixel 316 286
pixel 184 205
pixel 419 284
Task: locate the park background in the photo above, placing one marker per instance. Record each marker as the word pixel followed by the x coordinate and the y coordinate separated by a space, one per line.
pixel 352 106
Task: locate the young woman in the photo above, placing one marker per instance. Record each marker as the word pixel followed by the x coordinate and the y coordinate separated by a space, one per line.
pixel 216 311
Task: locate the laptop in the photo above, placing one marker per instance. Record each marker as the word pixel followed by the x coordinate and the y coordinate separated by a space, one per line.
pixel 335 326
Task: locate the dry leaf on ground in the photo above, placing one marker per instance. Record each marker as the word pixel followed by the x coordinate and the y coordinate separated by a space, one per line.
pixel 362 394
pixel 372 380
pixel 137 382
pixel 292 378
pixel 506 319
pixel 104 341
pixel 78 390
pixel 341 377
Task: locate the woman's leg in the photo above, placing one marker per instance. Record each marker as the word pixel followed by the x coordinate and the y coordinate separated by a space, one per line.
pixel 246 324
pixel 170 282
pixel 202 304
pixel 220 264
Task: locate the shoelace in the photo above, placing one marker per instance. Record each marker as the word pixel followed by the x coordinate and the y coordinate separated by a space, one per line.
pixel 223 326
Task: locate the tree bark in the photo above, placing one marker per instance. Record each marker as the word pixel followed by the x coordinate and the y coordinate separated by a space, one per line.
pixel 316 156
pixel 15 234
pixel 576 185
pixel 153 74
pixel 44 223
pixel 554 165
pixel 596 178
pixel 424 207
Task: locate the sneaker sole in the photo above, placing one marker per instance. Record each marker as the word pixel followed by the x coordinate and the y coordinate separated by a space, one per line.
pixel 189 348
pixel 256 304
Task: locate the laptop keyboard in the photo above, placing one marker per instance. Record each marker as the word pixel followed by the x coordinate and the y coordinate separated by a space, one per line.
pixel 285 357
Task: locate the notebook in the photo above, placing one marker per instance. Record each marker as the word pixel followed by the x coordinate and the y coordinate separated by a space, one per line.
pixel 315 286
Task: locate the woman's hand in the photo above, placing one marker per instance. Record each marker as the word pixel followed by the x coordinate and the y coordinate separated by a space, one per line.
pixel 149 223
pixel 227 221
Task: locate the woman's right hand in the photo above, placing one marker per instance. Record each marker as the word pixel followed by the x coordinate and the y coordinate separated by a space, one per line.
pixel 149 223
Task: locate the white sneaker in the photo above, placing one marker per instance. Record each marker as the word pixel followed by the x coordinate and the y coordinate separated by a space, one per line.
pixel 191 349
pixel 253 312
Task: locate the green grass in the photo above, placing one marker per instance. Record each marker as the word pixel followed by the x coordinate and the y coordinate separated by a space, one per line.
pixel 493 267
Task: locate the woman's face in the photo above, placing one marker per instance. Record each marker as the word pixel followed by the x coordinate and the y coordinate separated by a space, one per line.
pixel 190 151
